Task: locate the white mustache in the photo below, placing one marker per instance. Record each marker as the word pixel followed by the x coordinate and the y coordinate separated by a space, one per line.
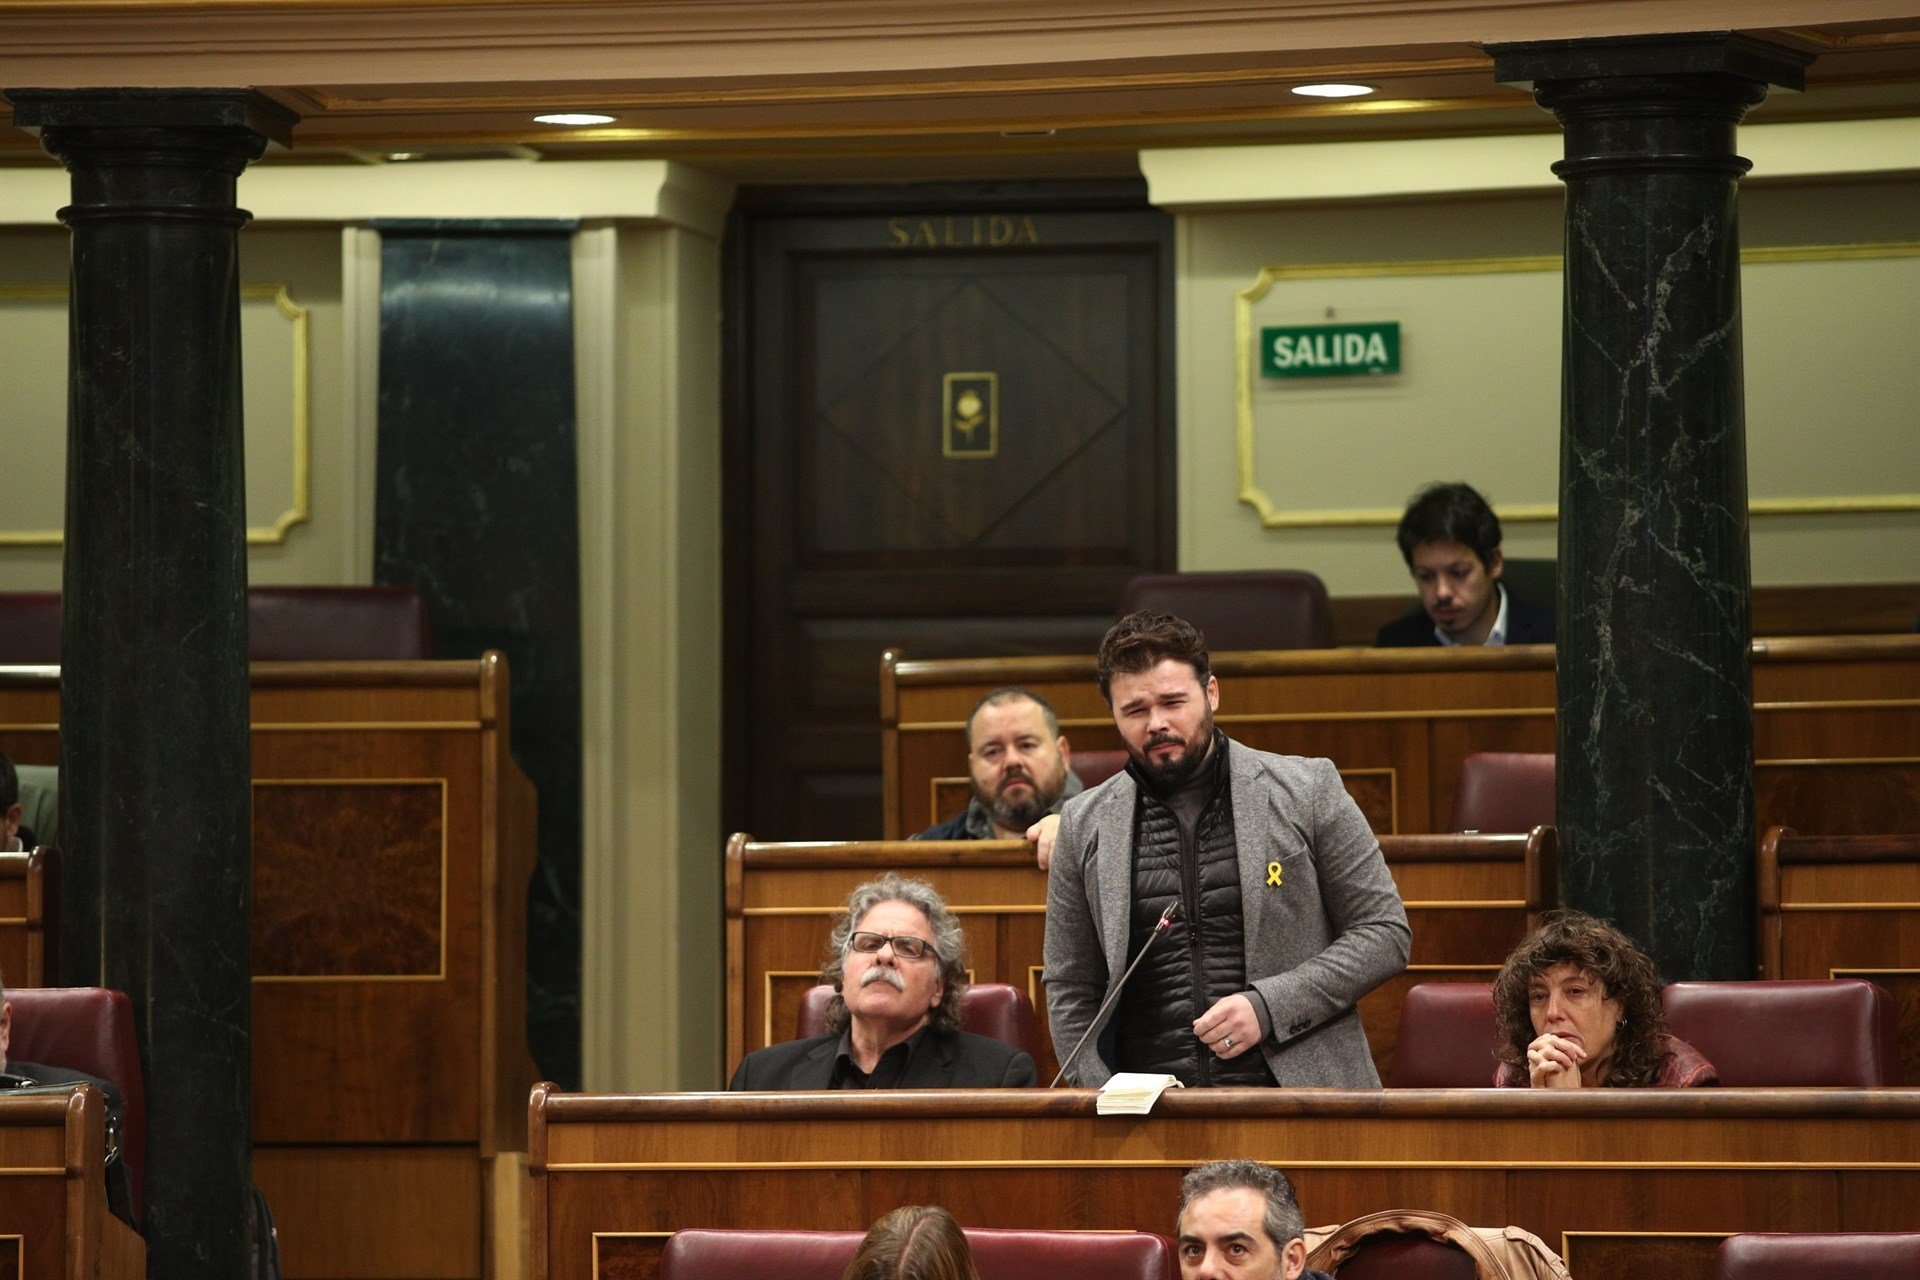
pixel 877 974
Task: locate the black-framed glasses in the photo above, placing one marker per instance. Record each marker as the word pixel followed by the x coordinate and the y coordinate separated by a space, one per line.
pixel 905 945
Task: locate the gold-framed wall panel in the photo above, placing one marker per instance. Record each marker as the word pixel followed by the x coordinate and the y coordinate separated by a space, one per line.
pixel 300 497
pixel 1272 516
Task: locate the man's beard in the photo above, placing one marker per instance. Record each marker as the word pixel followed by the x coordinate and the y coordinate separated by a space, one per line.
pixel 1182 767
pixel 1018 815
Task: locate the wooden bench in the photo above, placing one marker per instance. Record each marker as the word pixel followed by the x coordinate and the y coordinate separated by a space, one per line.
pixel 1469 899
pixel 1835 723
pixel 1622 1182
pixel 1845 907
pixel 54 1221
pixel 393 840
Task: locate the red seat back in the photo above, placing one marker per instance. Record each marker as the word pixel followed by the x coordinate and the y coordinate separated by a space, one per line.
pixel 1448 1038
pixel 1864 1255
pixel 87 1029
pixel 1002 1255
pixel 284 624
pixel 1256 609
pixel 992 1009
pixel 1095 767
pixel 1504 791
pixel 1815 1032
pixel 1408 1255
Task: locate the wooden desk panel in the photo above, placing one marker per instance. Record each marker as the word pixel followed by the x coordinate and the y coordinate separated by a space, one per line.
pixel 1616 1179
pixel 23 921
pixel 1468 900
pixel 393 840
pixel 54 1222
pixel 1836 724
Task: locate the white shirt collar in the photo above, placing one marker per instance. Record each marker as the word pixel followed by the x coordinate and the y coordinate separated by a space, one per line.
pixel 1496 636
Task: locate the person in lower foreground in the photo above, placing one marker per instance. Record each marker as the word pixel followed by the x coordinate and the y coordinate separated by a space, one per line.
pixel 1579 1008
pixel 1239 1220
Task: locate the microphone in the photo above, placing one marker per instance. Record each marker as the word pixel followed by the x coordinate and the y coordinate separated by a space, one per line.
pixel 1167 917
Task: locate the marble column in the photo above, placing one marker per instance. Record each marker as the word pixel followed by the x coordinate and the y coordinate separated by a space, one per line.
pixel 155 789
pixel 1655 723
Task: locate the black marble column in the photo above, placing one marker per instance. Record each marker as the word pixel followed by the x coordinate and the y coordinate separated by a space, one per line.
pixel 154 789
pixel 1655 803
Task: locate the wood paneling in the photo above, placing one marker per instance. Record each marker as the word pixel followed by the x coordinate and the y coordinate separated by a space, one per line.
pixel 24 937
pixel 1836 723
pixel 1625 1176
pixel 1845 906
pixel 54 1223
pixel 1468 902
pixel 393 841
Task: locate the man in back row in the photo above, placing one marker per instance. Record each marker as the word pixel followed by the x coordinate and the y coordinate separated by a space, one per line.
pixel 1450 539
pixel 1287 914
pixel 1019 763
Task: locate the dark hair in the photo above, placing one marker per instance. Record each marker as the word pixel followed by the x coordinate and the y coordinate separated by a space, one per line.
pixel 915 1242
pixel 1605 955
pixel 9 783
pixel 1142 641
pixel 1013 693
pixel 1450 513
pixel 1282 1219
pixel 949 946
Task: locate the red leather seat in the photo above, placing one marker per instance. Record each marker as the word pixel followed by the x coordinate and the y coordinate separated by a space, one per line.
pixel 1408 1256
pixel 1504 791
pixel 1095 767
pixel 1448 1038
pixel 285 624
pixel 1837 1031
pixel 1002 1255
pixel 991 1009
pixel 1863 1255
pixel 87 1029
pixel 1256 609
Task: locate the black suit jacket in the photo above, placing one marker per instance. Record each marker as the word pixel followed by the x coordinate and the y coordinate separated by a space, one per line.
pixel 119 1187
pixel 1526 624
pixel 954 1060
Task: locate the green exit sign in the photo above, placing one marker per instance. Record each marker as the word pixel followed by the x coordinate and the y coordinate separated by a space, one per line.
pixel 1329 350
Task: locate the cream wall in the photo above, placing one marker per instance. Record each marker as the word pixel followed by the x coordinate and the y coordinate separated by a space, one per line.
pixel 1235 215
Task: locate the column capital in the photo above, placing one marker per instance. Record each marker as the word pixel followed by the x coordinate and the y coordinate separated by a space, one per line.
pixel 1534 63
pixel 40 110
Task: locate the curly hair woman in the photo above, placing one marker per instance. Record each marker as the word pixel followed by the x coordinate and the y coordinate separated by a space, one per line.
pixel 1579 1008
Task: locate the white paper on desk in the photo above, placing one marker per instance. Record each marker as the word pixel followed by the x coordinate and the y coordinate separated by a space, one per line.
pixel 1132 1093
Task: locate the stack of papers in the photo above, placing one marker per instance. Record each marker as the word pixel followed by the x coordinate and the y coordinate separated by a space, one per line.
pixel 1132 1093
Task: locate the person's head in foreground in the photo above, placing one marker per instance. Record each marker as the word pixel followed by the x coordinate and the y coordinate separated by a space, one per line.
pixel 1579 1007
pixel 1239 1221
pixel 896 961
pixel 1450 539
pixel 1155 675
pixel 1017 758
pixel 916 1242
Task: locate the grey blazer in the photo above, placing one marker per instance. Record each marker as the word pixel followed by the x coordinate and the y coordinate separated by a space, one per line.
pixel 1330 931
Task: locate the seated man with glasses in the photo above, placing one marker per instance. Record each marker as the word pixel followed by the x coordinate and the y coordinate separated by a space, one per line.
pixel 897 965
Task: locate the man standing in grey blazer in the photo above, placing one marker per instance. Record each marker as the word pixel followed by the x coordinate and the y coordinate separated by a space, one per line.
pixel 1286 912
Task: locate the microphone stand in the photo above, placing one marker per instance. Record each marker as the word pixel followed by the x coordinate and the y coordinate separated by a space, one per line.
pixel 1167 917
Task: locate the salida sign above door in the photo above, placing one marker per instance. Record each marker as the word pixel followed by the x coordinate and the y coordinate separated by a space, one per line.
pixel 1329 350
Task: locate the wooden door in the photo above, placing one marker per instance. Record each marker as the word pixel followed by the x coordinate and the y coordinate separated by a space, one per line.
pixel 950 431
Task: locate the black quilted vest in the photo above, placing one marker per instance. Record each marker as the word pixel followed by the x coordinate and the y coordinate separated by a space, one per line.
pixel 1199 959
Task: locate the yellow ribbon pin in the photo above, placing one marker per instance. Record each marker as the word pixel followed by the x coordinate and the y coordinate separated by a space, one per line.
pixel 1273 875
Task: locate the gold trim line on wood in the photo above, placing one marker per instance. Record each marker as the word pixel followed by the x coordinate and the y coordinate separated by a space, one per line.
pixel 1850 906
pixel 691 1166
pixel 1453 968
pixel 1014 909
pixel 299 506
pixel 1272 517
pixel 1861 973
pixel 13 920
pixel 1461 904
pixel 25 1171
pixel 35 728
pixel 1863 704
pixel 1816 761
pixel 368 726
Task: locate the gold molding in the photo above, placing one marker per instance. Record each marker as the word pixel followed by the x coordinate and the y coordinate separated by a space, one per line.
pixel 361 726
pixel 1850 906
pixel 299 510
pixel 985 909
pixel 1272 517
pixel 1862 973
pixel 1461 904
pixel 277 979
pixel 1748 1166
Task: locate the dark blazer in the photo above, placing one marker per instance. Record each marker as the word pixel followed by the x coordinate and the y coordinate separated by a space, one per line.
pixel 954 1060
pixel 1527 623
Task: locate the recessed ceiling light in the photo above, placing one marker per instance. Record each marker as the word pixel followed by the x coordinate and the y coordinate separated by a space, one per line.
pixel 1333 90
pixel 405 155
pixel 573 117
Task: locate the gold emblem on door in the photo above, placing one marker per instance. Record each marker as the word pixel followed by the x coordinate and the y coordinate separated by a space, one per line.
pixel 970 415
